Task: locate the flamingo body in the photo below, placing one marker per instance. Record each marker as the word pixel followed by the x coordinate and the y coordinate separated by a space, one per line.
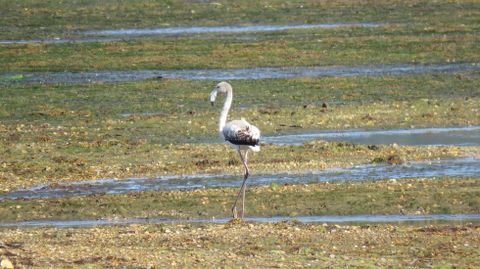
pixel 242 133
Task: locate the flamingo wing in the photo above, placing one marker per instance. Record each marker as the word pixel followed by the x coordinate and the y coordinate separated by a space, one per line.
pixel 240 132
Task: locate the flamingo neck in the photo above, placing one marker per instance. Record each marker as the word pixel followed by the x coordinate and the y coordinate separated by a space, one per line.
pixel 226 108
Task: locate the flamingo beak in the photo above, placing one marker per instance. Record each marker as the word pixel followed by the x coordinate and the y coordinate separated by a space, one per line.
pixel 213 96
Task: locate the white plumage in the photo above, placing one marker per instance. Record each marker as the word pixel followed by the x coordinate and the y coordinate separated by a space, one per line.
pixel 239 133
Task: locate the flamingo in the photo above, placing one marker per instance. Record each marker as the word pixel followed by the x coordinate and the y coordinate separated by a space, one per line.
pixel 240 134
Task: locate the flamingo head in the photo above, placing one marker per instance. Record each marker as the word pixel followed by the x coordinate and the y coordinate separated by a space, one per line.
pixel 221 87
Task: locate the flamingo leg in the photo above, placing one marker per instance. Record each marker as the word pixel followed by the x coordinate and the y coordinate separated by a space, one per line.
pixel 245 176
pixel 245 184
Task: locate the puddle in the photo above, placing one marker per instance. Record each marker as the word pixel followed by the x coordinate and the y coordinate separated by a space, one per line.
pixel 426 169
pixel 450 136
pixel 223 29
pixel 235 74
pixel 305 219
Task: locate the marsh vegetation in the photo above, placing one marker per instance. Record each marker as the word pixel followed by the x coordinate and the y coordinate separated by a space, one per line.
pixel 62 133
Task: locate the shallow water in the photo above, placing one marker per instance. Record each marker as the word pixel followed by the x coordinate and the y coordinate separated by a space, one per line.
pixel 305 219
pixel 234 74
pixel 223 29
pixel 427 169
pixel 124 33
pixel 449 136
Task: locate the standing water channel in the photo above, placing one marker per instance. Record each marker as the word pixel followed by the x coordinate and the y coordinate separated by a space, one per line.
pixel 122 34
pixel 224 29
pixel 355 219
pixel 449 167
pixel 232 74
pixel 448 136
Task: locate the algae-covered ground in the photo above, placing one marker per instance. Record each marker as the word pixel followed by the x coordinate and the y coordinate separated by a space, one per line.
pixel 61 133
pixel 240 244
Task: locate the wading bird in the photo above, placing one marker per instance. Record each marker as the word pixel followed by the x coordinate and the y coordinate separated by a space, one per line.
pixel 239 133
